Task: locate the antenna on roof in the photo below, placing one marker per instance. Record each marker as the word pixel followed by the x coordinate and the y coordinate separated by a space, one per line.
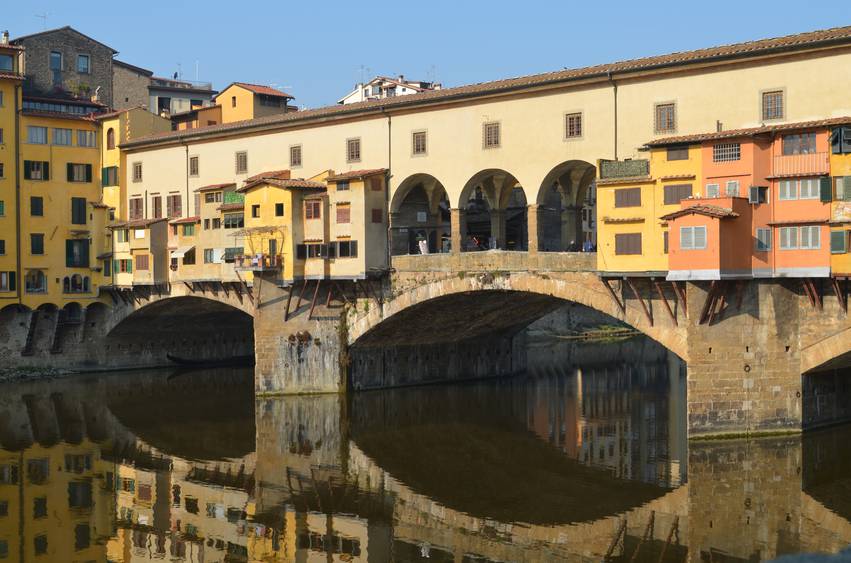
pixel 43 19
pixel 363 71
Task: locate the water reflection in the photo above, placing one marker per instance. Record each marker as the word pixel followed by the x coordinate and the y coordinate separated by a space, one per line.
pixel 573 462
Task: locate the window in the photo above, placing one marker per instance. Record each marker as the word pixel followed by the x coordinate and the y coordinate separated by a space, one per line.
pixel 809 188
pixel 109 176
pixel 279 210
pixel 110 138
pixel 56 67
pixel 628 197
pixel 344 213
pixel 82 536
pixel 214 197
pixel 353 150
pixel 217 223
pixel 157 207
pixel 38 470
pixel 758 194
pixel 40 544
pixel 36 135
pixel 2 208
pixel 763 239
pixel 241 162
pixel 36 243
pixel 174 206
pixel 84 64
pixel 188 230
pixel 121 235
pixel 810 237
pixel 142 262
pixel 61 136
pixel 342 186
pixel 36 170
pixel 40 507
pixel 678 153
pixel 255 211
pixel 726 152
pixel 788 238
pixel 2 247
pixel 107 268
pixel 841 189
pixel 9 474
pixel 665 242
pixel 840 139
pixel 78 211
pixel 208 256
pixel 232 252
pixel 676 192
pixel 36 206
pixel 312 209
pixel 803 143
pixel 8 281
pixel 77 253
pixel 838 242
pixel 7 63
pixel 377 216
pixel 772 105
pixel 628 243
pixel 234 221
pixel 189 258
pixel 233 101
pixel 732 188
pixel 347 249
pixel 80 494
pixel 295 156
pixel 206 224
pixel 137 171
pixel 788 190
pixel 79 172
pixel 123 266
pixel 4 508
pixel 666 118
pixel 193 166
pixel 692 238
pixel 135 208
pixel 418 143
pixel 2 171
pixel 491 135
pixel 145 493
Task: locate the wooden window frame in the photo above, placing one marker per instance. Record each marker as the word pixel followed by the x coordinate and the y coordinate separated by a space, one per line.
pixel 487 145
pixel 424 136
pixel 656 117
pixel 196 160
pixel 567 125
pixel 763 94
pixel 236 163
pixel 626 244
pixel 624 198
pixel 136 167
pixel 293 149
pixel 350 143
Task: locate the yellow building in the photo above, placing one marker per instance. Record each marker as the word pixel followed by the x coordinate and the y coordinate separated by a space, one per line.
pixel 840 209
pixel 140 254
pixel 241 101
pixel 10 101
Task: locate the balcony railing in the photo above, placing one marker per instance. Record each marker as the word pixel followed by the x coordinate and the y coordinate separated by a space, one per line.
pixel 801 164
pixel 258 262
pixel 624 168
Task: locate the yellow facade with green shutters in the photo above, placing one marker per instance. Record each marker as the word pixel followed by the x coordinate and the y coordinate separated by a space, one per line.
pixel 10 100
pixel 840 209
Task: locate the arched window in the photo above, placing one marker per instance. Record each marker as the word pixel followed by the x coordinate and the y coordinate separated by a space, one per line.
pixel 66 285
pixel 110 138
pixel 35 282
pixel 86 284
pixel 76 283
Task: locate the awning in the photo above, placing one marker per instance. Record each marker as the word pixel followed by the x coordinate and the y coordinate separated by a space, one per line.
pixel 181 250
pixel 104 255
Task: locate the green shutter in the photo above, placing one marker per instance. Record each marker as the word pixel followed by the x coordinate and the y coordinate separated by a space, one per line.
pixel 69 253
pixel 46 168
pixel 103 177
pixel 826 189
pixel 837 242
pixel 115 267
pixel 88 172
pixel 69 168
pixel 130 266
pixel 13 282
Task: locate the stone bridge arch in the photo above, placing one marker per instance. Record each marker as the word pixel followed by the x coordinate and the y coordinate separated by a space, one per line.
pixel 584 288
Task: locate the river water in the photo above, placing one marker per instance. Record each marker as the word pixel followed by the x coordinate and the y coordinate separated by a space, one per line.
pixel 585 458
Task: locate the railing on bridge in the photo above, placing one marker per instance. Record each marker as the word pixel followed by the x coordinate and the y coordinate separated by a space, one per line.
pixel 623 168
pixel 496 261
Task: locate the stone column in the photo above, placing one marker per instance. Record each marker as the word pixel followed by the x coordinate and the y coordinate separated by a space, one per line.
pixel 532 226
pixel 498 227
pixel 569 228
pixel 458 229
pixel 435 225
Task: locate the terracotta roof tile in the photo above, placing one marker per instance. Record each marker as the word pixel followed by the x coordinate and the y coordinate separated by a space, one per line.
pixel 806 221
pixel 57 115
pixel 11 75
pixel 136 223
pixel 186 220
pixel 749 132
pixel 838 35
pixel 231 206
pixel 276 174
pixel 260 89
pixel 298 183
pixel 706 209
pixel 356 174
pixel 214 187
pixel 624 180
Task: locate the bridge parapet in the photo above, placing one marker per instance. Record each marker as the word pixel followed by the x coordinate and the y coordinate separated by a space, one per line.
pixel 497 261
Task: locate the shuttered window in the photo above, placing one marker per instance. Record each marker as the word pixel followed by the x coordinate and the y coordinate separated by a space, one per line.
pixel 136 208
pixel 77 253
pixel 343 213
pixel 79 172
pixel 142 261
pixel 628 197
pixel 78 210
pixel 678 153
pixel 788 238
pixel 628 243
pixel 241 162
pixel 312 210
pixel 36 170
pixel 838 242
pixel 763 239
pixel 353 150
pixel 109 176
pixel 491 137
pixel 157 207
pixel 174 206
pixel 692 238
pixel 676 192
pixel 810 237
pixel 666 118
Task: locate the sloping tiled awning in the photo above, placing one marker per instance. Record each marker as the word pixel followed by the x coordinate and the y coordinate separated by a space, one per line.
pixel 181 250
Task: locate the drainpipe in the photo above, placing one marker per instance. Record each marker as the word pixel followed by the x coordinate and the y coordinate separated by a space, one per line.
pixel 186 162
pixel 615 93
pixel 387 182
pixel 20 281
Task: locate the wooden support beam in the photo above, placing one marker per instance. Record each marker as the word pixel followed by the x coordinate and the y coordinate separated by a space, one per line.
pixel 372 290
pixel 710 301
pixel 839 296
pixel 330 294
pixel 224 288
pixel 809 295
pixel 300 295
pixel 720 301
pixel 680 291
pixel 637 295
pixel 621 306
pixel 313 301
pixel 289 298
pixel 665 301
pixel 189 287
pixel 341 292
pixel 817 291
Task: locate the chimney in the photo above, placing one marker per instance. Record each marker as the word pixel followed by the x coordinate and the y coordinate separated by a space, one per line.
pixel 4 39
pixel 402 78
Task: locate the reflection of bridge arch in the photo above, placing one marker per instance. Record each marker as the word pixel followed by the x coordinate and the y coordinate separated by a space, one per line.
pixel 519 298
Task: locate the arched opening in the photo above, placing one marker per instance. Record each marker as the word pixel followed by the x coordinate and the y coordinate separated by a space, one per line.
pixel 493 211
pixel 566 221
pixel 35 282
pixel 420 218
pixel 191 330
pixel 110 138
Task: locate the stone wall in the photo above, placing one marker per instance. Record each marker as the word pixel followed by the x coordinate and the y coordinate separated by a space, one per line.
pixel 131 88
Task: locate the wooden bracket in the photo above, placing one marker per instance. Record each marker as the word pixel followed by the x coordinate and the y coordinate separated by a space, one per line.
pixel 300 295
pixel 313 301
pixel 740 293
pixel 813 293
pixel 189 287
pixel 637 295
pixel 680 291
pixel 289 298
pixel 710 301
pixel 840 295
pixel 667 305
pixel 621 305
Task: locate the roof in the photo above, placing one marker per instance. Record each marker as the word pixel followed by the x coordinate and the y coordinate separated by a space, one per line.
pixel 805 221
pixel 99 205
pixel 57 115
pixel 117 112
pixel 624 180
pixel 136 223
pixel 186 220
pixel 231 206
pixel 706 209
pixel 356 174
pixel 214 187
pixel 11 46
pixel 258 89
pixel 64 28
pixel 298 183
pixel 750 132
pixel 134 68
pixel 11 76
pixel 64 98
pixel 603 72
pixel 271 174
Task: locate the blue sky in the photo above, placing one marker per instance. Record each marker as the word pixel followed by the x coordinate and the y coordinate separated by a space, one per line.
pixel 315 50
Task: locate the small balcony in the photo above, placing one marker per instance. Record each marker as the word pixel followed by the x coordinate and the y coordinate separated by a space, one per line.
pixel 258 263
pixel 801 164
